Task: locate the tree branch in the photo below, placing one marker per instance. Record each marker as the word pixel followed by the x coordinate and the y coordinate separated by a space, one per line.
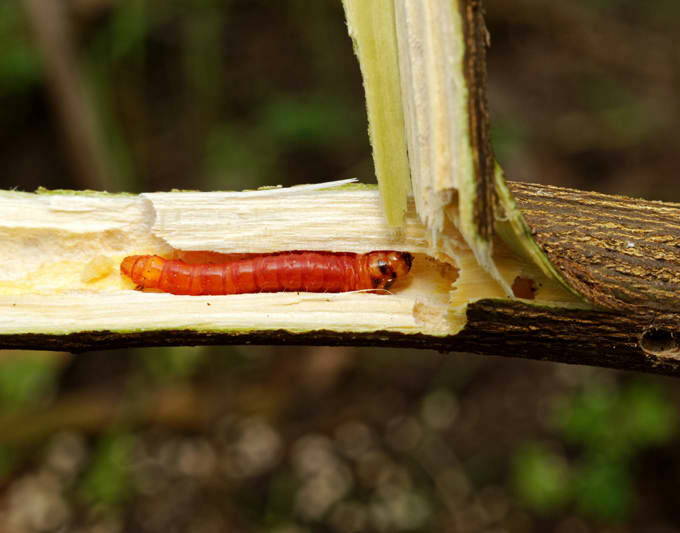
pixel 494 327
pixel 631 320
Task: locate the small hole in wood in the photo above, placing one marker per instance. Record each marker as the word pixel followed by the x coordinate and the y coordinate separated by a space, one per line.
pixel 524 288
pixel 660 342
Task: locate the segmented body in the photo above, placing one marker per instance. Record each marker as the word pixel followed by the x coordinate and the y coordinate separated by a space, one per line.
pixel 278 272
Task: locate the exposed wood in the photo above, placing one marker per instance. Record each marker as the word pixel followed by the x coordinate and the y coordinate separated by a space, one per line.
pixel 370 24
pixel 61 254
pixel 442 58
pixel 284 219
pixel 621 253
pixel 494 327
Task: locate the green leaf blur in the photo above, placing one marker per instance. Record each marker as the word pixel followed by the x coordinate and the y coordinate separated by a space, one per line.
pixel 607 427
pixel 106 482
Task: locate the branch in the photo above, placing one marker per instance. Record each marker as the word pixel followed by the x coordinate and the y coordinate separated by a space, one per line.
pixel 494 327
pixel 61 289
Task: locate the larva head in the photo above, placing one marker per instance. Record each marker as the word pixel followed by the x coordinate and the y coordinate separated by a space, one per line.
pixel 386 267
pixel 127 264
pixel 144 270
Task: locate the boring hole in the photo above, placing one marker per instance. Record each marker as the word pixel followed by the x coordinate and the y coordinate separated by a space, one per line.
pixel 524 288
pixel 660 342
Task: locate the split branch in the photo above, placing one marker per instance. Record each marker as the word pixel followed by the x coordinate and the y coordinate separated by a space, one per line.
pixel 621 253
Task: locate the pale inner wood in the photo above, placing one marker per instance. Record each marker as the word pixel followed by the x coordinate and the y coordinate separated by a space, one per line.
pixel 61 255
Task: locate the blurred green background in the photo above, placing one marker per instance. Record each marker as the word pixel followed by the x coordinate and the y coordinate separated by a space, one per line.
pixel 142 95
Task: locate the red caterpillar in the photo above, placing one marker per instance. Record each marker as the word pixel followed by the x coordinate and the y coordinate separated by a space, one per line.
pixel 278 272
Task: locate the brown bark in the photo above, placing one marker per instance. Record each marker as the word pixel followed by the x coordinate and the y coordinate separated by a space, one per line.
pixel 620 253
pixel 476 41
pixel 494 327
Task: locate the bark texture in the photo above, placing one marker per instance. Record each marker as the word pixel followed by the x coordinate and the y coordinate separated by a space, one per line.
pixel 622 254
pixel 476 41
pixel 494 327
pixel 619 253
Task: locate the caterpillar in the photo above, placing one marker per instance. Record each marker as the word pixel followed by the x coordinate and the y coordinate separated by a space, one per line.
pixel 276 272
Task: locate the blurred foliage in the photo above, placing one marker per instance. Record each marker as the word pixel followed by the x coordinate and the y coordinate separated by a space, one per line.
pixel 211 94
pixel 205 95
pixel 19 62
pixel 106 481
pixel 541 477
pixel 25 379
pixel 619 422
pixel 163 365
pixel 9 460
pixel 608 426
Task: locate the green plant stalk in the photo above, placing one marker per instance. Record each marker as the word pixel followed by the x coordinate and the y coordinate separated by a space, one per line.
pixel 371 26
